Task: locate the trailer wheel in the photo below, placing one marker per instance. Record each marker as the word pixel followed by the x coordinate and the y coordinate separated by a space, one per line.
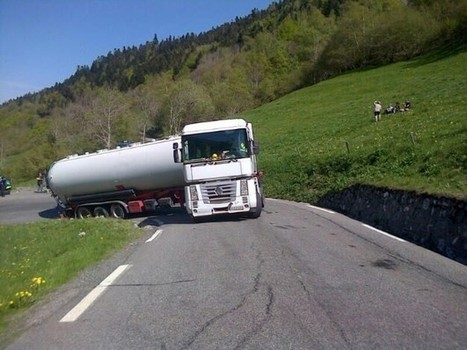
pixel 117 211
pixel 82 213
pixel 101 212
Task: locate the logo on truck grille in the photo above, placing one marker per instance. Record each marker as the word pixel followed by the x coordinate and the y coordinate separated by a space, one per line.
pixel 219 191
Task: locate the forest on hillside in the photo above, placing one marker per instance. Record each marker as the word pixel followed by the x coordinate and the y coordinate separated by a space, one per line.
pixel 135 93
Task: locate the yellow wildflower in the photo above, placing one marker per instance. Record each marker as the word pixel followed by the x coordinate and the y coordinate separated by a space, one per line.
pixel 37 281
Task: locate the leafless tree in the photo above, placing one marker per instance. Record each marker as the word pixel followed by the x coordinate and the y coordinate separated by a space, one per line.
pixel 106 110
pixel 147 105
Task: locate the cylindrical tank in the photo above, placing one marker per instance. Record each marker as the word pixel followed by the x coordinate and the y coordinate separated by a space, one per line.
pixel 146 166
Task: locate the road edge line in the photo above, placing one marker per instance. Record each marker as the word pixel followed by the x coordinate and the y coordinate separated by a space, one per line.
pixel 92 296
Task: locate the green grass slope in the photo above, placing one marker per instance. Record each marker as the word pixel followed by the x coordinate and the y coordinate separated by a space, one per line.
pixel 324 138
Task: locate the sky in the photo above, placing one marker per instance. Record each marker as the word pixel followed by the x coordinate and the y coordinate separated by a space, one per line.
pixel 42 42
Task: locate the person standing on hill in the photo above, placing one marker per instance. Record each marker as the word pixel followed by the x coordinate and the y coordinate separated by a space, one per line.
pixel 377 113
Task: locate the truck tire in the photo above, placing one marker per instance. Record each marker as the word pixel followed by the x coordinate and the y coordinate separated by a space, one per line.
pixel 82 213
pixel 101 212
pixel 256 212
pixel 117 211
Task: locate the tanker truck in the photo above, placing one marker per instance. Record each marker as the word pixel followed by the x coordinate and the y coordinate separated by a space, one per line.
pixel 211 169
pixel 119 181
pixel 220 169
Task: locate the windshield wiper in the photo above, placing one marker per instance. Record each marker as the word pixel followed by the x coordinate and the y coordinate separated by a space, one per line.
pixel 200 162
pixel 197 160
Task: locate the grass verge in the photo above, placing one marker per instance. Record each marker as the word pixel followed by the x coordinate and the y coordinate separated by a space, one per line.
pixel 38 257
pixel 323 138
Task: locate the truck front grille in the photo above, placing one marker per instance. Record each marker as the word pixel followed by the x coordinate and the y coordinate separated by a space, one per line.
pixel 218 193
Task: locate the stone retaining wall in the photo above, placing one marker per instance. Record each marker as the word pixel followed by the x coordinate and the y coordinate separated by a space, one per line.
pixel 436 223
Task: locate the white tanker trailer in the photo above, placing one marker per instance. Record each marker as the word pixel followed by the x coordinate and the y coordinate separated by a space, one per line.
pixel 119 181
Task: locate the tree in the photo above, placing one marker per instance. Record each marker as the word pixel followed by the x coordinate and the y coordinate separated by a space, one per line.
pixel 258 68
pixel 375 33
pixel 233 94
pixel 70 128
pixel 106 110
pixel 187 103
pixel 147 105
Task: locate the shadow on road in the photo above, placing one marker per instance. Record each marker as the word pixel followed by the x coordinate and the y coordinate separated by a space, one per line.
pixel 52 213
pixel 180 216
pixel 160 217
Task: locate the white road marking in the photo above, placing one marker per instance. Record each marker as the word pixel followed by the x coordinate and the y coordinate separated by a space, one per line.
pixel 87 301
pixel 154 236
pixel 384 233
pixel 367 226
pixel 326 210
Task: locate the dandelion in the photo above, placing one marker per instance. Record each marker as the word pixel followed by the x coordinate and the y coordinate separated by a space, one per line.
pixel 23 294
pixel 37 281
pixel 82 234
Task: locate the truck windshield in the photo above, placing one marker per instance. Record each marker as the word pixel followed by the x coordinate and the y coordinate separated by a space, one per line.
pixel 228 144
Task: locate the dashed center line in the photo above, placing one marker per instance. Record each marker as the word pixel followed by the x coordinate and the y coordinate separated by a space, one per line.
pixel 89 299
pixel 154 236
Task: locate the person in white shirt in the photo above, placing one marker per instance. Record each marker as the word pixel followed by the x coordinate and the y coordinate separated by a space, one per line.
pixel 377 112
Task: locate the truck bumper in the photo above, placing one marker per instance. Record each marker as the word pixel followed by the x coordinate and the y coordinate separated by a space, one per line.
pixel 236 207
pixel 242 203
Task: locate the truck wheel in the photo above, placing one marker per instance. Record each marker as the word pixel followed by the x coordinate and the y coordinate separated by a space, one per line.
pixel 256 212
pixel 117 211
pixel 82 213
pixel 100 212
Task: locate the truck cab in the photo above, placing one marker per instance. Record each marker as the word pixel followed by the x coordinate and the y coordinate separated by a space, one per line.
pixel 220 168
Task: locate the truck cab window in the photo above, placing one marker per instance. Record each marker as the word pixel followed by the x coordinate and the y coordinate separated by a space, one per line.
pixel 231 144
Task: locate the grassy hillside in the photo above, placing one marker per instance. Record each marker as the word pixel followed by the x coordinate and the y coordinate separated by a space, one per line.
pixel 304 135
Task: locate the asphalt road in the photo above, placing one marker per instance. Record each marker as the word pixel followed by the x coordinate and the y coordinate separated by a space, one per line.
pixel 296 278
pixel 25 205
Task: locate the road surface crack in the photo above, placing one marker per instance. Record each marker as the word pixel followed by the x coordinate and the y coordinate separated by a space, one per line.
pixel 267 314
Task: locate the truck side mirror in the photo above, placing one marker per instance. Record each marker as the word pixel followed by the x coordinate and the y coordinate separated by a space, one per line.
pixel 176 156
pixel 255 147
pixel 176 153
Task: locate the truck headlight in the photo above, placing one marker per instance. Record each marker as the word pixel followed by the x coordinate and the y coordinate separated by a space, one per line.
pixel 193 193
pixel 243 188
